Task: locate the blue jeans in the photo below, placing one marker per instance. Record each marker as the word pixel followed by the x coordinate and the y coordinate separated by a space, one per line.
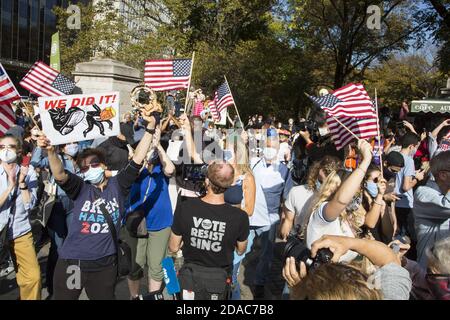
pixel 267 235
pixel 236 288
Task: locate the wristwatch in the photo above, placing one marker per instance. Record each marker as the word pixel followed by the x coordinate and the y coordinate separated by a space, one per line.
pixel 151 131
pixel 24 188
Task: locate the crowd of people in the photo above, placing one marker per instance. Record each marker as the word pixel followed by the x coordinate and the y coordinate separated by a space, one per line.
pixel 369 221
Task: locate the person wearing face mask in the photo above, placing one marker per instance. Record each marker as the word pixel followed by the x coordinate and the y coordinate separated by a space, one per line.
pixel 379 221
pixel 406 179
pixel 432 207
pixel 89 244
pixel 18 194
pixel 273 183
pixel 61 213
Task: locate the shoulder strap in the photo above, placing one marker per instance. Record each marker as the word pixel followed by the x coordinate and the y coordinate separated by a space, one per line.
pixel 14 197
pixel 256 164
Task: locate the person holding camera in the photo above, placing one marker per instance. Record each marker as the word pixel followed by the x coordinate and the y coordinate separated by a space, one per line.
pixel 90 250
pixel 319 274
pixel 337 209
pixel 149 204
pixel 209 231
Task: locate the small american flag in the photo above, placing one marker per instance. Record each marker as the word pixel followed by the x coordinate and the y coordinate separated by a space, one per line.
pixel 362 128
pixel 45 81
pixel 222 100
pixel 349 101
pixel 161 75
pixel 8 94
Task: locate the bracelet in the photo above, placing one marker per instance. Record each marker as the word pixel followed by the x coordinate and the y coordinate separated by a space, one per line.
pixel 378 203
pixel 26 188
pixel 361 170
pixel 151 131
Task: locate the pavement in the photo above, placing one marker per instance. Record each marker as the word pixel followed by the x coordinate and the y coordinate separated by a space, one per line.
pixel 273 289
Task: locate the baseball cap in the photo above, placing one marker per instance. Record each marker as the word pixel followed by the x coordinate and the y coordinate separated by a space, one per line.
pixel 395 158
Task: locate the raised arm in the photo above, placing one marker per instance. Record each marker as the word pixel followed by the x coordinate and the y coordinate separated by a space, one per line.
pixel 350 186
pixel 145 143
pixel 435 132
pixel 190 145
pixel 167 165
pixel 377 252
pixel 377 206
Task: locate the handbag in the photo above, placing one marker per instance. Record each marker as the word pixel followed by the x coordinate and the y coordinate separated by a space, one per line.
pixel 122 248
pixel 204 283
pixel 42 211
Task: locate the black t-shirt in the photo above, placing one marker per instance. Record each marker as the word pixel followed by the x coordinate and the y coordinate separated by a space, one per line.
pixel 210 232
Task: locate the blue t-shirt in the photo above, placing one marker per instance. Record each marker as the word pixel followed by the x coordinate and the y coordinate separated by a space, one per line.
pixel 406 198
pixel 150 193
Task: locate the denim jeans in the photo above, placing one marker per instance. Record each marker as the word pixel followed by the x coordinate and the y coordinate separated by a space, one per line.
pixel 267 235
pixel 236 288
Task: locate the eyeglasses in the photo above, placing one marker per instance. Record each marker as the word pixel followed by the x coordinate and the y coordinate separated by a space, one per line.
pixel 9 146
pixel 84 169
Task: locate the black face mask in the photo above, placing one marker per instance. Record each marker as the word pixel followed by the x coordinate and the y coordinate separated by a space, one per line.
pixel 388 174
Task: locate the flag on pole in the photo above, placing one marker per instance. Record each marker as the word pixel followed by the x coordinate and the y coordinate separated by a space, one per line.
pixel 362 128
pixel 349 101
pixel 55 59
pixel 222 99
pixel 8 94
pixel 45 81
pixel 161 75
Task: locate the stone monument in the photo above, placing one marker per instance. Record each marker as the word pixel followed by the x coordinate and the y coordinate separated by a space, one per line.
pixel 102 75
pixel 446 91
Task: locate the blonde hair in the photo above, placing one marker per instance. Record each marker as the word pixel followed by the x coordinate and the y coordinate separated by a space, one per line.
pixel 240 151
pixel 328 164
pixel 335 281
pixel 328 189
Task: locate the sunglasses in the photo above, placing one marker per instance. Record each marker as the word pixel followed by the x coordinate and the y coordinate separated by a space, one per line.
pixel 84 169
pixel 9 146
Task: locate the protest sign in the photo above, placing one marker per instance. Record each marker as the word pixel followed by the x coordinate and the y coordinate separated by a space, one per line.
pixel 80 117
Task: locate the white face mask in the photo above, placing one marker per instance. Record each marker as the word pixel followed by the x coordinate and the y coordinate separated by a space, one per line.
pixel 323 131
pixel 270 153
pixel 8 156
pixel 258 136
pixel 291 122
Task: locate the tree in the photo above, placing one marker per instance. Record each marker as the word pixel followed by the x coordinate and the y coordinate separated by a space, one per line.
pixel 407 77
pixel 338 28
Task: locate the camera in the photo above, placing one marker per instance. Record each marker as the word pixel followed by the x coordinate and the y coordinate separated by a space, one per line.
pixel 194 172
pixel 297 248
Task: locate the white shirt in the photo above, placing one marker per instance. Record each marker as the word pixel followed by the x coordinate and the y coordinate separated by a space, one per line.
pixel 318 226
pixel 298 202
pixel 283 151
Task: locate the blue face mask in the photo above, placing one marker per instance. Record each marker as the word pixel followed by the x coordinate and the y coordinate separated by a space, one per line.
pixel 94 175
pixel 71 150
pixel 372 188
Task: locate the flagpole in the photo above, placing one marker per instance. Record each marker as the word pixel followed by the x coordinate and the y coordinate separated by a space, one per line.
pixel 234 102
pixel 345 127
pixel 189 83
pixel 379 134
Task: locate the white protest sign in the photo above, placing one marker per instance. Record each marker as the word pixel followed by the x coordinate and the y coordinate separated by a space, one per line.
pixel 80 117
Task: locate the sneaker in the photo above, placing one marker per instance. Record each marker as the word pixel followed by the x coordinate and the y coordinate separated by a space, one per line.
pixel 63 121
pixel 258 292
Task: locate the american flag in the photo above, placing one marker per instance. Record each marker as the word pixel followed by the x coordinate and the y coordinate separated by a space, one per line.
pixel 222 100
pixel 161 75
pixel 362 128
pixel 349 101
pixel 8 94
pixel 45 81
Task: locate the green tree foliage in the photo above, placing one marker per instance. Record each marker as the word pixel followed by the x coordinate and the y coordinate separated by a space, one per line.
pixel 409 77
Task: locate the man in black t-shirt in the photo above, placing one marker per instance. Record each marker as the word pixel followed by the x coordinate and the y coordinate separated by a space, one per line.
pixel 209 231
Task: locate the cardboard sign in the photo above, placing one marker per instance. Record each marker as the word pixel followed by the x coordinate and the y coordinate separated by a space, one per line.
pixel 80 117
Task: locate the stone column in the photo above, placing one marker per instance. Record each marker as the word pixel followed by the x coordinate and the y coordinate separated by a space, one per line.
pixel 102 75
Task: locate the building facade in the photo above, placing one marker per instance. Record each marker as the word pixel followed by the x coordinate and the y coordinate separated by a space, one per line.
pixel 26 28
